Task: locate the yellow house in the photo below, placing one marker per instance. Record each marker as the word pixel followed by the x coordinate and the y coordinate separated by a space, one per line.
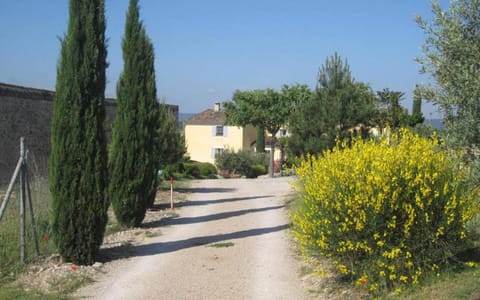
pixel 206 135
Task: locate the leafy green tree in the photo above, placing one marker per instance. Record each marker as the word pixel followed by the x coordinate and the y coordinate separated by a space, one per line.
pixel 78 161
pixel 133 154
pixel 338 105
pixel 452 57
pixel 261 108
pixel 390 112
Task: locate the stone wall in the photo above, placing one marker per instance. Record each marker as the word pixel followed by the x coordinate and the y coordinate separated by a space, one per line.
pixel 27 112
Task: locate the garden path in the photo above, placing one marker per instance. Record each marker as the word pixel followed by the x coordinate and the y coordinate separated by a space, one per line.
pixel 231 240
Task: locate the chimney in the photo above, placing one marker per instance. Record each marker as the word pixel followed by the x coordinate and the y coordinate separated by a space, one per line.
pixel 216 107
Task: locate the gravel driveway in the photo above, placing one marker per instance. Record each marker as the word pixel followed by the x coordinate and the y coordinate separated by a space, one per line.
pixel 230 241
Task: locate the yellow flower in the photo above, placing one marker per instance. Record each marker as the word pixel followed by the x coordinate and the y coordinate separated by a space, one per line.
pixel 471 264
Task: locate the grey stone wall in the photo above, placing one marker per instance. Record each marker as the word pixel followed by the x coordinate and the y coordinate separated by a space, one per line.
pixel 27 112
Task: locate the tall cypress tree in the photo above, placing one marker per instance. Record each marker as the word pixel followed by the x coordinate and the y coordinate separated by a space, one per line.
pixel 260 142
pixel 78 169
pixel 133 160
pixel 417 101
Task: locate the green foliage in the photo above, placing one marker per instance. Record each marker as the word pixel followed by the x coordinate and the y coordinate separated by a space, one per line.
pixel 260 141
pixel 390 112
pixel 78 161
pixel 10 264
pixel 207 170
pixel 133 160
pixel 243 163
pixel 21 294
pixel 189 169
pixel 266 109
pixel 192 169
pixel 255 171
pixel 386 213
pixel 452 55
pixel 417 101
pixel 338 105
pixel 200 170
pixel 171 144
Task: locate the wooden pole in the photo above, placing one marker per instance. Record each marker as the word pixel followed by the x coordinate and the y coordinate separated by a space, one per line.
pixel 22 203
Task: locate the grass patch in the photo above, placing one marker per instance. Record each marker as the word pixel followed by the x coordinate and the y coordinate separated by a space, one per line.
pixel 150 234
pixel 21 294
pixel 10 264
pixel 305 270
pixel 112 227
pixel 69 283
pixel 455 285
pixel 221 245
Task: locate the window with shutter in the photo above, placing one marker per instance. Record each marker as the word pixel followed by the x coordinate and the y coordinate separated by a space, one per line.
pixel 219 131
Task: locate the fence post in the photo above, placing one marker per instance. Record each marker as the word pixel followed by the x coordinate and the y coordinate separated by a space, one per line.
pixel 29 198
pixel 22 202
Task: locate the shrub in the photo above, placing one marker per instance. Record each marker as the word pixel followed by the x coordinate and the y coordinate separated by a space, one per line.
pixel 241 162
pixel 255 171
pixel 207 170
pixel 384 212
pixel 192 170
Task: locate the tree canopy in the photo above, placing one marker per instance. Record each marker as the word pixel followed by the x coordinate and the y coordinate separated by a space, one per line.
pixel 338 105
pixel 78 160
pixel 133 154
pixel 261 108
pixel 451 55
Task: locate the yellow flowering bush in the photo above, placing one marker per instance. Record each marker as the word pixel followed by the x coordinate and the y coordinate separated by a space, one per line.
pixel 385 212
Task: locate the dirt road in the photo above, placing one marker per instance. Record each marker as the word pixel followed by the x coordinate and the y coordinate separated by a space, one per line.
pixel 230 241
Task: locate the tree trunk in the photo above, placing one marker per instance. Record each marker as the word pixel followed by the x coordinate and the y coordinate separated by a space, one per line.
pixel 271 167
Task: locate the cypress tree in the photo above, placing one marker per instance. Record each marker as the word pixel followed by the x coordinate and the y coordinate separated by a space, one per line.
pixel 171 143
pixel 133 160
pixel 260 144
pixel 78 169
pixel 417 101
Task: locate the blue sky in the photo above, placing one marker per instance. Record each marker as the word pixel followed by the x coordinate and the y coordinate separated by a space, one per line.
pixel 205 50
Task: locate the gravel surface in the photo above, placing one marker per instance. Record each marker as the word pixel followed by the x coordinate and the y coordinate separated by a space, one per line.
pixel 230 240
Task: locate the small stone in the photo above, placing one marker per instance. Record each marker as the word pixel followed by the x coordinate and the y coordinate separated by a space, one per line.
pixel 97 265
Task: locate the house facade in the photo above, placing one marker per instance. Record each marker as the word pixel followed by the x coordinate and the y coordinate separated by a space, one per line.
pixel 206 135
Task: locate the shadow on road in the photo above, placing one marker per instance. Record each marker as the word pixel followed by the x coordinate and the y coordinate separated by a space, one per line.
pixel 207 218
pixel 168 247
pixel 204 190
pixel 161 206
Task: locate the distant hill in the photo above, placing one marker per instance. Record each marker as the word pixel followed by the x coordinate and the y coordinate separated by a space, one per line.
pixel 183 116
pixel 435 123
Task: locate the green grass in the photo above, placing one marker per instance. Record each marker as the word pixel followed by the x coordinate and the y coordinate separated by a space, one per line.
pixel 112 225
pixel 221 245
pixel 69 284
pixel 456 285
pixel 21 294
pixel 10 264
pixel 150 234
